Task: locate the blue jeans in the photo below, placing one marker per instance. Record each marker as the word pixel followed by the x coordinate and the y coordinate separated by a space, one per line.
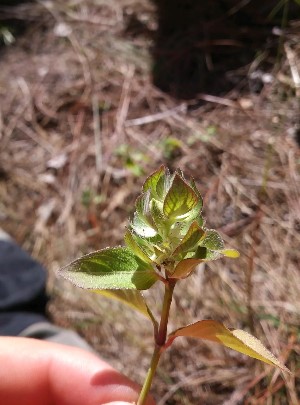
pixel 23 299
pixel 23 296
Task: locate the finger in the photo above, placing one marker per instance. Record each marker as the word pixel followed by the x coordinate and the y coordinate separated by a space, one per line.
pixel 43 373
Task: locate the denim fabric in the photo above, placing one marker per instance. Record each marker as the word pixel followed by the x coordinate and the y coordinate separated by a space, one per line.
pixel 22 290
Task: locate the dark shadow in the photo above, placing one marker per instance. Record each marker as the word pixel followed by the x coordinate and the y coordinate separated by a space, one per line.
pixel 14 2
pixel 11 25
pixel 197 42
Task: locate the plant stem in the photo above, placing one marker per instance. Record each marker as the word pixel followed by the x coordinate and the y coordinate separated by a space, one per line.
pixel 160 340
pixel 149 377
pixel 162 331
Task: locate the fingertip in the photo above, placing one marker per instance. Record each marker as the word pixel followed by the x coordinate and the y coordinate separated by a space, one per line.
pixel 70 375
pixel 120 403
pixel 149 402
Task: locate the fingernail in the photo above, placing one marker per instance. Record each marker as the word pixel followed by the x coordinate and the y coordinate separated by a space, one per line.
pixel 120 403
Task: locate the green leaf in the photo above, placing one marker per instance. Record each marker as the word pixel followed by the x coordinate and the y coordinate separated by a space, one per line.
pixel 147 244
pixel 111 268
pixel 238 340
pixel 163 185
pixel 194 187
pixel 132 298
pixel 232 253
pixel 133 245
pixel 142 228
pixel 212 240
pixel 208 255
pixel 184 225
pixel 156 182
pixel 211 247
pixel 184 268
pixel 201 253
pixel 195 213
pixel 156 210
pixel 180 199
pixel 142 205
pixel 190 240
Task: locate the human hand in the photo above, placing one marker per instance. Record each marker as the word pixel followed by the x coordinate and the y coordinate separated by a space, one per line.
pixel 34 372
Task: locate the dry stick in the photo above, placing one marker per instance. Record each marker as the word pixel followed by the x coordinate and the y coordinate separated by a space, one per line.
pixel 238 7
pixel 19 113
pixel 291 57
pixel 124 100
pixel 1 126
pixel 264 208
pixel 239 394
pixel 218 100
pixel 79 50
pixel 250 272
pixel 90 19
pixel 150 147
pixel 97 134
pixel 255 240
pixel 287 380
pixel 199 378
pixel 69 198
pixel 155 117
pixel 269 391
pixel 37 139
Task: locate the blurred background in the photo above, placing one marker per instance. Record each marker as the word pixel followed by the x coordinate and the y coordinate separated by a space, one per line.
pixel 94 96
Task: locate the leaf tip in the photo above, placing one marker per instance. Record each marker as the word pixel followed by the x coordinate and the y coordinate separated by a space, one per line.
pixel 232 253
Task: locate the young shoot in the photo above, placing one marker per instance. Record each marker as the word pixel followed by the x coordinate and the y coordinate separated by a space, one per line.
pixel 165 241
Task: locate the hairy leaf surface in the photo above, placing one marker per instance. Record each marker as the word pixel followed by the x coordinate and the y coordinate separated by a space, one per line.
pixel 132 298
pixel 142 228
pixel 212 240
pixel 190 240
pixel 132 244
pixel 238 340
pixel 111 268
pixel 180 199
pixel 155 183
pixel 158 217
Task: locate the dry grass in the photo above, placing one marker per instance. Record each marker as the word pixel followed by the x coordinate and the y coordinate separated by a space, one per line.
pixel 70 172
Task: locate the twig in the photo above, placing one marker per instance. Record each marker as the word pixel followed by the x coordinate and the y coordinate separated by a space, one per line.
pixel 155 117
pixel 294 68
pixel 79 50
pixel 250 272
pixel 32 135
pixel 239 394
pixel 124 100
pixel 1 126
pixel 218 100
pixel 97 134
pixel 69 197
